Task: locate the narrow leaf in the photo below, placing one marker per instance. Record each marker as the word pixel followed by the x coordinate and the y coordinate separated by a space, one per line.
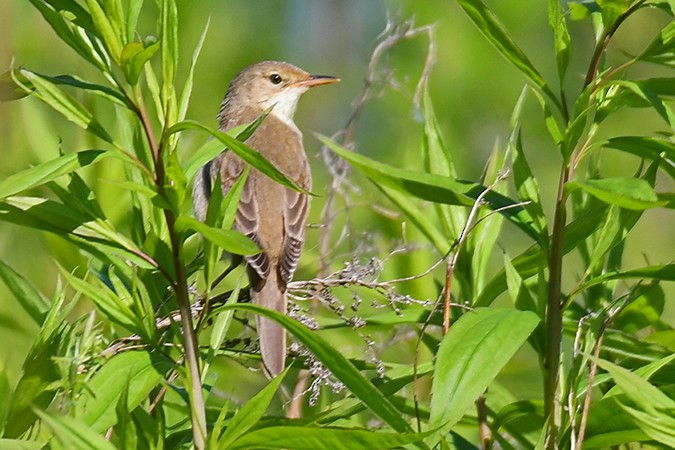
pixel 187 88
pixel 74 435
pixel 229 240
pixel 471 355
pixel 664 272
pixel 105 29
pixel 133 372
pixel 556 20
pixel 340 366
pixel 47 171
pixel 245 152
pixel 654 149
pixel 66 105
pixel 435 188
pixel 250 413
pixel 311 438
pixel 645 395
pixel 488 24
pixel 630 193
pixel 32 300
pixel 66 32
pixel 134 56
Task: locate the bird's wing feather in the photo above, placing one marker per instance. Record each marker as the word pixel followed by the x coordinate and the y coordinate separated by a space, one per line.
pixel 295 219
pixel 230 167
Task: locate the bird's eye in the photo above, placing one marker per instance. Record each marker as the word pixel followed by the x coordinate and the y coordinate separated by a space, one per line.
pixel 275 78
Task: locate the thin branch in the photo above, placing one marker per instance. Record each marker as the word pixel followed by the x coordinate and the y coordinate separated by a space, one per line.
pixel 602 44
pixel 392 35
pixel 485 434
pixel 468 227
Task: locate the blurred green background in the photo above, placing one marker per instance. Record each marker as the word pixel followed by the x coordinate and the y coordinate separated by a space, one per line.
pixel 472 87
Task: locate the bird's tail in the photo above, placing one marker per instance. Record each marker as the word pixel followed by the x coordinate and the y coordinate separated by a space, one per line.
pixel 272 335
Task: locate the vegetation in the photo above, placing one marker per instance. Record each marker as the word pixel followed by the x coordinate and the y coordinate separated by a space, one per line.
pixel 142 345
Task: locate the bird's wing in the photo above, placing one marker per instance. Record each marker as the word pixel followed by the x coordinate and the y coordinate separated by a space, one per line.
pixel 295 219
pixel 230 167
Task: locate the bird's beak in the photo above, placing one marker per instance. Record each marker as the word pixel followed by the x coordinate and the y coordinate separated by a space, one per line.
pixel 317 80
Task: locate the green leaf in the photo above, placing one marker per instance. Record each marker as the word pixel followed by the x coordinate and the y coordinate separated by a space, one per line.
pixel 525 182
pixel 531 410
pixel 654 416
pixel 133 58
pixel 340 366
pixel 528 188
pixel 418 218
pixel 311 438
pixel 485 231
pixel 51 12
pixel 524 301
pixel 176 182
pixel 105 29
pixel 47 171
pixel 616 225
pixel 582 9
pixel 557 22
pixel 471 355
pixel 529 261
pixel 74 435
pixel 249 415
pixel 135 372
pixel 187 88
pixel 32 300
pixel 644 311
pixel 103 91
pixel 640 92
pixel 435 188
pixel 664 272
pixel 169 40
pixel 488 24
pixel 245 152
pixel 650 148
pixel 644 394
pixel 438 161
pixel 40 374
pixel 611 10
pixel 106 301
pixel 609 425
pixel 220 327
pixel 213 147
pixel 209 150
pixel 231 241
pixel 49 93
pixel 20 444
pixel 658 426
pixel 90 234
pixel 661 49
pixel 133 11
pixel 630 193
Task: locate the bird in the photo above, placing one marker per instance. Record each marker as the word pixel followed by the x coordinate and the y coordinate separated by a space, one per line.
pixel 271 215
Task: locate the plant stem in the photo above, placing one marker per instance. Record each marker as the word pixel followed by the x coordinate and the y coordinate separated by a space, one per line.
pixel 191 347
pixel 485 435
pixel 602 44
pixel 554 317
pixel 197 406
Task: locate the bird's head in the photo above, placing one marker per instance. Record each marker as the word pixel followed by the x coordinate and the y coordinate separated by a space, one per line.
pixel 274 83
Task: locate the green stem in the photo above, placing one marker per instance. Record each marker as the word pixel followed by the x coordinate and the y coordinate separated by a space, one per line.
pixel 554 317
pixel 191 346
pixel 197 406
pixel 602 44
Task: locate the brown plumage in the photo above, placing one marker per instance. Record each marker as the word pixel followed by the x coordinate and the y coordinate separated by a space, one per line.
pixel 270 214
